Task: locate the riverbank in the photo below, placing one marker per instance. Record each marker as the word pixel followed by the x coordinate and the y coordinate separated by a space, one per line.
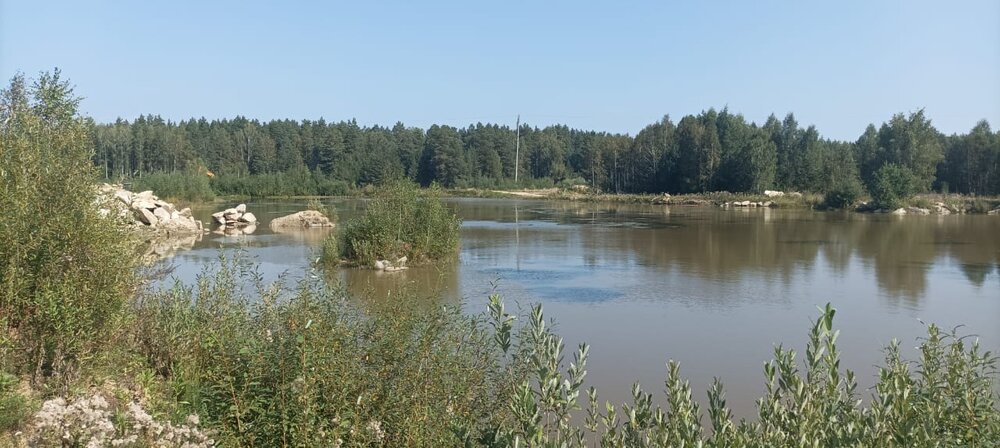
pixel 923 204
pixel 791 200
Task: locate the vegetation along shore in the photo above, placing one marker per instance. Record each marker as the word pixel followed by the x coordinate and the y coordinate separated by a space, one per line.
pixel 91 355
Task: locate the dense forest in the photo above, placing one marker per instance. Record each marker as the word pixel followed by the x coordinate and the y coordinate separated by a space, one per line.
pixel 711 151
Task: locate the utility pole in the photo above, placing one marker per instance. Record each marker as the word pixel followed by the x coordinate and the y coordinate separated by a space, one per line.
pixel 517 148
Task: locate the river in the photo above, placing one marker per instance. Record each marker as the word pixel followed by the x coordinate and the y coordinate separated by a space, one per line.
pixel 713 289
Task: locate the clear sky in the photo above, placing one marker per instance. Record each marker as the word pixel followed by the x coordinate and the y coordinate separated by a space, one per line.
pixel 613 65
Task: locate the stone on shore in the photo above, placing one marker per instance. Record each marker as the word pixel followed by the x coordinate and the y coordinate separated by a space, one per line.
pixel 303 219
pixel 145 210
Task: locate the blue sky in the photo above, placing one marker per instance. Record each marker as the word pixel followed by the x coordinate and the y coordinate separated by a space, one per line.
pixel 614 66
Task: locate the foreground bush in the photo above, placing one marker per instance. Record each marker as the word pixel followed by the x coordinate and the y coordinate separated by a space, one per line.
pixel 66 273
pixel 315 369
pixel 946 398
pixel 401 220
pixel 318 368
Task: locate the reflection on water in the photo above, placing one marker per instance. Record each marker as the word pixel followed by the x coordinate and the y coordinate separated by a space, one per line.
pixel 714 289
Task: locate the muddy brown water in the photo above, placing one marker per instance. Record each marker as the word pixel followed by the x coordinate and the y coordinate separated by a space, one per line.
pixel 713 289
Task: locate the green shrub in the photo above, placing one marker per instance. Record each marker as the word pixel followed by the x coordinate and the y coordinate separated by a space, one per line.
pixel 946 398
pixel 402 220
pixel 13 407
pixel 979 206
pixel 312 368
pixel 291 183
pixel 894 185
pixel 191 187
pixel 843 195
pixel 66 272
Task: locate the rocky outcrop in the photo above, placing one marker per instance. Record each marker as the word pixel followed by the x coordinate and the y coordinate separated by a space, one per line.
pixel 302 220
pixel 144 209
pixel 235 217
pixel 773 194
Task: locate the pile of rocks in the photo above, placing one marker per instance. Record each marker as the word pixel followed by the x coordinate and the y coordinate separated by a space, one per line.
pixel 301 220
pixel 235 217
pixel 146 210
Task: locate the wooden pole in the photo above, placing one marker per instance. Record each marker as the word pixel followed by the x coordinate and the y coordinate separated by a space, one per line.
pixel 517 148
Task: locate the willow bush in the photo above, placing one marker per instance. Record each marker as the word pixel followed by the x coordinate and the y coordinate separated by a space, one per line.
pixel 400 220
pixel 66 272
pixel 316 368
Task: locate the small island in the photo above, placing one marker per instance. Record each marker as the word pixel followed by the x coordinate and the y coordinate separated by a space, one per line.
pixel 401 224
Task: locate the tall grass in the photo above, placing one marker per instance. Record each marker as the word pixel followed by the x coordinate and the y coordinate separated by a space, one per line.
pixel 401 220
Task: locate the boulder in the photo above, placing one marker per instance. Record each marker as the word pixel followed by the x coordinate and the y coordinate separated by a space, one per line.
pixel 185 212
pixel 162 215
pixel 123 196
pixel 242 208
pixel 140 203
pixel 795 194
pixel 917 211
pixel 899 211
pixel 381 264
pixel 248 218
pixel 145 195
pixel 303 219
pixel 773 194
pixel 146 217
pixel 219 218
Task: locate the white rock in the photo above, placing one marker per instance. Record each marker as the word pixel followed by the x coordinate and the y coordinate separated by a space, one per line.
pixel 242 208
pixel 146 217
pixel 123 196
pixel 139 203
pixel 303 219
pixel 899 211
pixel 219 218
pixel 186 212
pixel 773 194
pixel 162 215
pixel 380 264
pixel 248 218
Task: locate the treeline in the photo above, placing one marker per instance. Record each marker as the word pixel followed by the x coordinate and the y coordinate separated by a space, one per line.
pixel 711 151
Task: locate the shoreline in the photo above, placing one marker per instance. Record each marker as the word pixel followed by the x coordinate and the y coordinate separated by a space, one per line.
pixel 923 204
